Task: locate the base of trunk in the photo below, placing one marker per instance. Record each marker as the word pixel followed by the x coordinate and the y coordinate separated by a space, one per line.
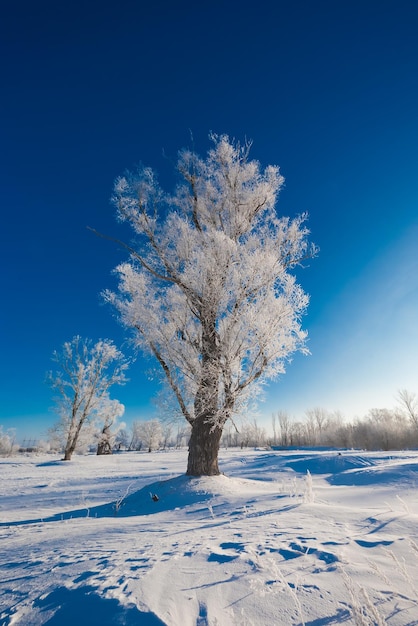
pixel 203 450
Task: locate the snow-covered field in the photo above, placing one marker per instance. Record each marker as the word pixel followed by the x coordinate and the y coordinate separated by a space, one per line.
pixel 283 538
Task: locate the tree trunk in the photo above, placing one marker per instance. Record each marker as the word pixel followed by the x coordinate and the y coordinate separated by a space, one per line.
pixel 104 447
pixel 68 453
pixel 72 440
pixel 204 449
pixel 206 427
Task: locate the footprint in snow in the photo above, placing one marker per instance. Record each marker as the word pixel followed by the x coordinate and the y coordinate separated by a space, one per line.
pixel 295 550
pixel 372 544
pixel 229 551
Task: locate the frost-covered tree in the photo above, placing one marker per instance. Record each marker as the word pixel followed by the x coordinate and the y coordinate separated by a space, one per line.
pixel 135 440
pixel 408 402
pixel 285 427
pixel 316 421
pixel 109 412
pixel 252 434
pixel 8 443
pixel 152 433
pixel 122 439
pixel 166 438
pixel 208 289
pixel 86 372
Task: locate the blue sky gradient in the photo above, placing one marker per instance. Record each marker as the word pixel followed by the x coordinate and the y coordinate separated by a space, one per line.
pixel 326 90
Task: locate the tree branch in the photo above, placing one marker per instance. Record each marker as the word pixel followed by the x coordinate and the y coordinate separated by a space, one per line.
pixel 135 254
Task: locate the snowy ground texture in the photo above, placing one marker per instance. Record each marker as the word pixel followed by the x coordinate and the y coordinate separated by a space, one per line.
pixel 282 538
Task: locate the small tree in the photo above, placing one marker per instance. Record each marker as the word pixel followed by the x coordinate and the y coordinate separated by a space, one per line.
pixel 86 373
pixel 8 443
pixel 152 432
pixel 167 429
pixel 109 412
pixel 316 422
pixel 136 436
pixel 208 289
pixel 122 439
pixel 285 426
pixel 408 402
pixel 253 433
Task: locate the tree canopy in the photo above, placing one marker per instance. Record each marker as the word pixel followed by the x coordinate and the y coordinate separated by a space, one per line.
pixel 208 288
pixel 86 373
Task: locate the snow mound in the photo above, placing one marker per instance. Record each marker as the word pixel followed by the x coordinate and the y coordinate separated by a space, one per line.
pixel 327 464
pixel 193 494
pixel 388 473
pixel 180 492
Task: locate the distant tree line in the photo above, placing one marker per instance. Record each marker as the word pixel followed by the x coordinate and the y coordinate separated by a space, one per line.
pixel 379 429
pixel 155 434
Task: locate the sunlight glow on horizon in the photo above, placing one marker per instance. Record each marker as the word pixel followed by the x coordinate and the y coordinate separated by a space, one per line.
pixel 363 347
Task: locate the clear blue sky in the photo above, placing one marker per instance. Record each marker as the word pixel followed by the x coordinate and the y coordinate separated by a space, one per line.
pixel 327 90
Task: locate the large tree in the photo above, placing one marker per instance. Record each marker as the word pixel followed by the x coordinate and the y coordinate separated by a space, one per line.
pixel 208 289
pixel 86 371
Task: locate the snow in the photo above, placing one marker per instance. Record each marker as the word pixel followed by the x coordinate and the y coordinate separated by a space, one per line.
pixel 314 537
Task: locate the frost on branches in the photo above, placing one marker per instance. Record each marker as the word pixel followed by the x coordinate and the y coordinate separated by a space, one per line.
pixel 109 413
pixel 208 289
pixel 86 372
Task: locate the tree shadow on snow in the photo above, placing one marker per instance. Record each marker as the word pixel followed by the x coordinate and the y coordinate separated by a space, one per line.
pixel 53 463
pixel 84 607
